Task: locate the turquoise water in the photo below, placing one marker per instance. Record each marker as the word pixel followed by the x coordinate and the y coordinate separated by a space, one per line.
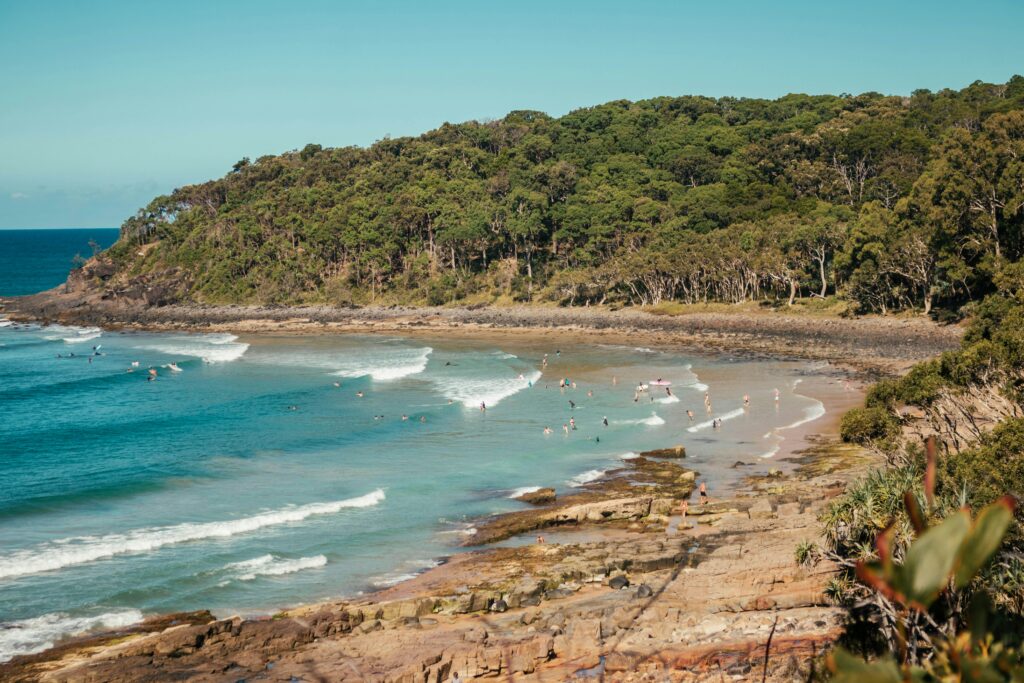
pixel 35 260
pixel 247 481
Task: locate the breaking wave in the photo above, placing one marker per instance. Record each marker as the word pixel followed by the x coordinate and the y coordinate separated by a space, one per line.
pixel 471 392
pixel 391 365
pixel 723 417
pixel 40 633
pixel 271 565
pixel 72 335
pixel 653 421
pixel 212 348
pixel 74 551
pixel 586 477
pixel 523 490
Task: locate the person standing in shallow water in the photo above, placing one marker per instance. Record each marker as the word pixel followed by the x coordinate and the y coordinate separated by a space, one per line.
pixel 703 493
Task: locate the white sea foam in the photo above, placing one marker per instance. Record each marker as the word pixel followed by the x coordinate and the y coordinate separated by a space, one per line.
pixel 74 551
pixel 653 421
pixel 629 456
pixel 70 334
pixel 698 386
pixel 723 417
pixel 394 579
pixel 522 490
pixel 4 322
pixel 39 633
pixel 271 565
pixel 212 348
pixel 667 399
pixel 471 392
pixel 771 451
pixel 586 477
pixel 811 413
pixel 386 366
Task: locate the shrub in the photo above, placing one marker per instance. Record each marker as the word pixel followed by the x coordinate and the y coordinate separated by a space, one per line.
pixel 867 425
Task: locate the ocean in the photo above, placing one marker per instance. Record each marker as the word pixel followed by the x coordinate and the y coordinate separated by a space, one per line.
pixel 259 472
pixel 36 260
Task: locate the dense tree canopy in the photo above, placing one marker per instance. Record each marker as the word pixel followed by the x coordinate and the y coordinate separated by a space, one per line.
pixel 891 202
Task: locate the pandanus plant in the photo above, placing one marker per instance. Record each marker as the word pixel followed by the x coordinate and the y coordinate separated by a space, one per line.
pixel 943 558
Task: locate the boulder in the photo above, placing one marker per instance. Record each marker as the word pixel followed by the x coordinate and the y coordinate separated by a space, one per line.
pixel 644 591
pixel 672 452
pixel 618 582
pixel 538 497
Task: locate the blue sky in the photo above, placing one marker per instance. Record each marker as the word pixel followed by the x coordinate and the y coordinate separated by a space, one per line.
pixel 104 105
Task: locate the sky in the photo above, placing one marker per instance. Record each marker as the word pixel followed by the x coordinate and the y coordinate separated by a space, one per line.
pixel 104 104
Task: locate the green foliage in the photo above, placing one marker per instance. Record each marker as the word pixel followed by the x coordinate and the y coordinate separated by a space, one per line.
pixel 867 425
pixel 890 203
pixel 948 554
pixel 807 553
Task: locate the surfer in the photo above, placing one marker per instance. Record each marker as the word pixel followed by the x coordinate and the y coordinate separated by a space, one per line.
pixel 359 394
pixel 604 420
pixel 572 405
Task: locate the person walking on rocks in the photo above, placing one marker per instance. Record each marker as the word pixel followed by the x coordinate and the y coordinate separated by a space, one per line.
pixel 703 493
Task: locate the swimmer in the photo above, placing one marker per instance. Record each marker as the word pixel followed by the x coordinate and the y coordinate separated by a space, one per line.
pixel 135 363
pixel 668 390
pixel 604 420
pixel 449 401
pixel 423 419
pixel 152 372
pixel 547 430
pixel 572 423
pixel 597 439
pixel 359 394
pixel 590 394
pixel 572 405
pixel 776 393
pixel 565 428
pixel 746 400
pixel 293 407
pixel 483 407
pixel 90 360
pixel 337 384
pixel 615 381
pixel 689 414
pixel 404 418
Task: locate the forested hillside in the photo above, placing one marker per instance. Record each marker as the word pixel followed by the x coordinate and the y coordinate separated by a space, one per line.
pixel 889 202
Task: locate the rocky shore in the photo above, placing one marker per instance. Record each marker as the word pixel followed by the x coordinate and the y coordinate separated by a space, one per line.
pixel 879 344
pixel 616 591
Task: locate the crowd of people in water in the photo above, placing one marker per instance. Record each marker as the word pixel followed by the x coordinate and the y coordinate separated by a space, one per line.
pixel 641 390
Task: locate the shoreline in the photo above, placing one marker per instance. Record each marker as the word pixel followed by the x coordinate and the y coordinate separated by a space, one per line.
pixel 414 602
pixel 873 345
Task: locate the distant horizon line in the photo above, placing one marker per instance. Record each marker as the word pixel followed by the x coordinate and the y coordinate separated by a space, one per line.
pixel 62 227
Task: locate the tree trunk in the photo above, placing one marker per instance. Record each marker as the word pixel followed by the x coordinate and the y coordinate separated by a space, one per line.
pixel 792 292
pixel 821 273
